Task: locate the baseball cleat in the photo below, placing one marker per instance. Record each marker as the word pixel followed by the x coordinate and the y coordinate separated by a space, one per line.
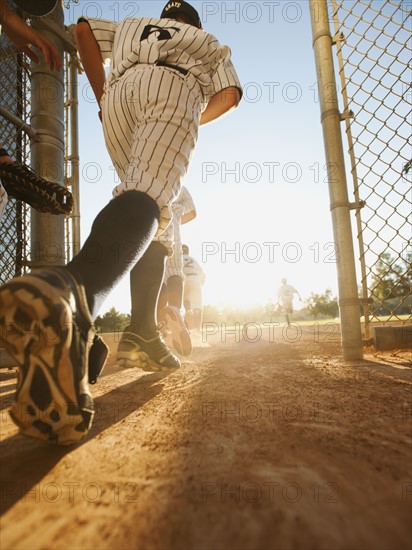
pixel 45 325
pixel 180 335
pixel 148 354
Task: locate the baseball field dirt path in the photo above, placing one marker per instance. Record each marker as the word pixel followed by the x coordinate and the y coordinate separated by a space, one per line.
pixel 260 441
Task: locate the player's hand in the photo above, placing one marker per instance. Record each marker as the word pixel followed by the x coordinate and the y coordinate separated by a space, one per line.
pixel 25 36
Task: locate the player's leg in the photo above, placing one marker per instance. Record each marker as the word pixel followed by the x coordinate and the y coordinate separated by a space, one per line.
pixel 197 303
pixel 162 302
pixel 180 335
pixel 141 344
pixel 197 319
pixel 47 323
pixel 145 283
pixel 160 148
pixel 288 309
pixel 171 315
pixel 188 318
pixel 116 242
pixel 285 311
pixel 175 291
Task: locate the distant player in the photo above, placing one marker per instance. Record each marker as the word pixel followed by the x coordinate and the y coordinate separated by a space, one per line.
pixel 285 298
pixel 194 281
pixel 171 295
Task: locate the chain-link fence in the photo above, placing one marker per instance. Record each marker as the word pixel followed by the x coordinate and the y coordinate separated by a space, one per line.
pixel 14 136
pixel 17 136
pixel 373 45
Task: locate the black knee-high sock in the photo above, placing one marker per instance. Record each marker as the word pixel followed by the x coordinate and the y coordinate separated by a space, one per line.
pixel 119 237
pixel 145 283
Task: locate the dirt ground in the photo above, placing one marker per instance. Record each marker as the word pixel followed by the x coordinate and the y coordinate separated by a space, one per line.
pixel 262 440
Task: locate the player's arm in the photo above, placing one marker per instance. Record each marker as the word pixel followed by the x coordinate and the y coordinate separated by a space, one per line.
pixel 296 292
pixel 91 58
pixel 25 36
pixel 220 104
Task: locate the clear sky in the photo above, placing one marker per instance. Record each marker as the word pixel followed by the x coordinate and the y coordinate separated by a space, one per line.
pixel 258 175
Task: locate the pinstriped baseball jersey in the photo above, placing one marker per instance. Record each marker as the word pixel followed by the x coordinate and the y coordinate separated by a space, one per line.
pixel 183 204
pixel 171 237
pixel 152 40
pixel 3 199
pixel 151 113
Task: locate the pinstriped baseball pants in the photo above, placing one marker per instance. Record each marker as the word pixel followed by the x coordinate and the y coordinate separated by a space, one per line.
pixel 151 118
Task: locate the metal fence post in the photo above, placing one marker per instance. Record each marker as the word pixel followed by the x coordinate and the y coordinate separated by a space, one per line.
pixel 349 304
pixel 74 126
pixel 47 150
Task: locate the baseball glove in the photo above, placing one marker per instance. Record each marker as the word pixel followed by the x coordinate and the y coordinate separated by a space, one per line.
pixel 45 196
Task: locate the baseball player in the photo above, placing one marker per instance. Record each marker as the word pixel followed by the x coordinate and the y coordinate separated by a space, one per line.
pixel 24 36
pixel 167 77
pixel 171 294
pixel 285 297
pixel 194 281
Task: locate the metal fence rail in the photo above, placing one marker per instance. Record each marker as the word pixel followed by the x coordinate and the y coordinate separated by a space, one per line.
pixel 14 135
pixel 373 46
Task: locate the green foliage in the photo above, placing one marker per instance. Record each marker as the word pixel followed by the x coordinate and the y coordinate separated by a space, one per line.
pixel 112 321
pixel 391 277
pixel 322 305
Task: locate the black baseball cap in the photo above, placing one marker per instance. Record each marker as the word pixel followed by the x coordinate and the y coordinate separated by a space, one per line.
pixel 180 7
pixel 36 8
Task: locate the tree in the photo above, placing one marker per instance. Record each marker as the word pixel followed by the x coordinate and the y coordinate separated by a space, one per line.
pixel 391 278
pixel 112 321
pixel 322 305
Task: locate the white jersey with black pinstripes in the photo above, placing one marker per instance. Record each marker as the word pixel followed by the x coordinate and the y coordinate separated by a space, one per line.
pixel 151 113
pixel 192 268
pixel 171 237
pixel 184 204
pixel 153 40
